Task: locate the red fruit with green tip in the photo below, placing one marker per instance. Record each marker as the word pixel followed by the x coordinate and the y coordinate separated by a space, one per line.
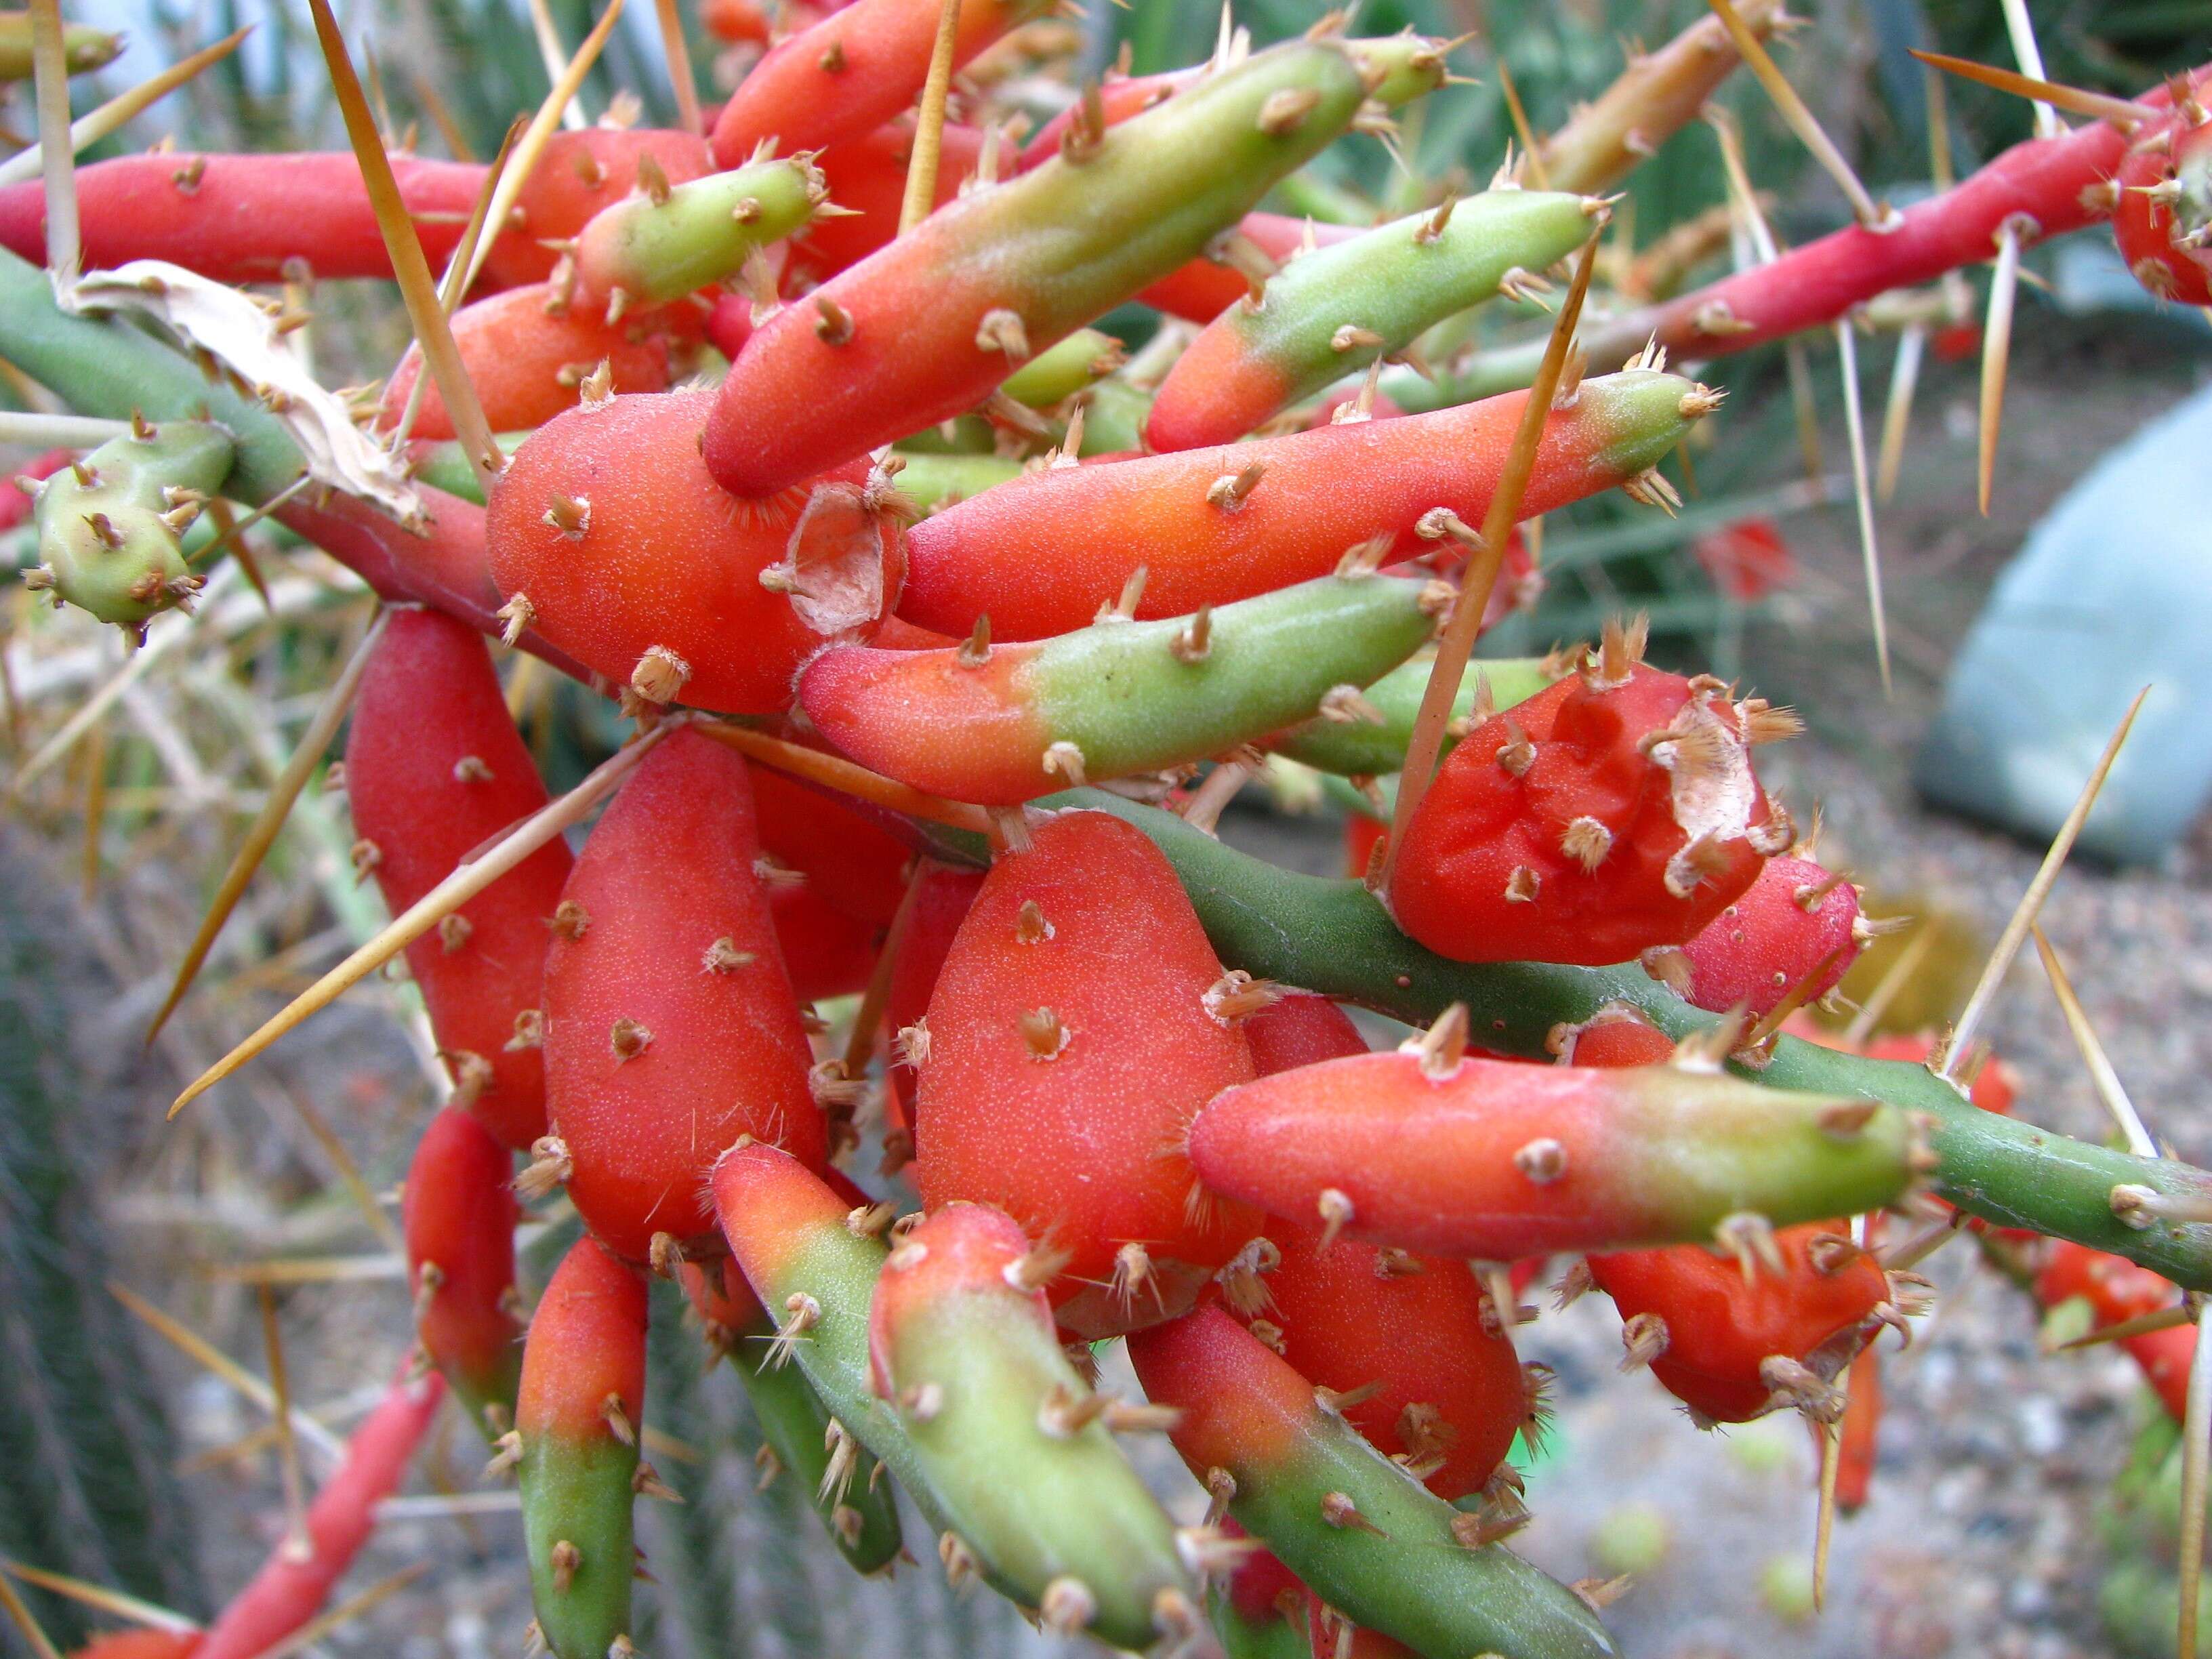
pixel 574 1445
pixel 867 176
pixel 1079 1020
pixel 1300 1028
pixel 1614 812
pixel 671 1029
pixel 1039 554
pixel 458 1214
pixel 1451 1155
pixel 1202 289
pixel 628 556
pixel 528 355
pixel 665 240
pixel 853 70
pixel 578 175
pixel 927 327
pixel 1736 1339
pixel 1427 1373
pixel 292 1587
pixel 434 769
pixel 1796 926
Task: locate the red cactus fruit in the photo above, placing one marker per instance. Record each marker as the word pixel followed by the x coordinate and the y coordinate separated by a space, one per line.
pixel 458 1214
pixel 578 174
pixel 671 1029
pixel 852 70
pixel 940 905
pixel 866 175
pixel 433 769
pixel 856 866
pixel 1297 1028
pixel 2159 221
pixel 1796 922
pixel 1615 1036
pixel 141 1645
pixel 1419 1362
pixel 1261 1589
pixel 1746 560
pixel 1204 288
pixel 1861 1426
pixel 290 1589
pixel 1120 97
pixel 2117 1290
pixel 1332 1636
pixel 606 532
pixel 1616 811
pixel 826 953
pixel 1079 1021
pixel 1732 1343
pixel 1362 835
pixel 527 353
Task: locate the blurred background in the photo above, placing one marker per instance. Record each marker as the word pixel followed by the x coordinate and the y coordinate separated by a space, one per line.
pixel 1993 1526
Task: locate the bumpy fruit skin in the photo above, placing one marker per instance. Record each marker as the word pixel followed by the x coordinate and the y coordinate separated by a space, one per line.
pixel 867 176
pixel 111 526
pixel 578 174
pixel 644 550
pixel 826 953
pixel 1720 1329
pixel 1304 1481
pixel 2149 230
pixel 291 1590
pixel 1614 812
pixel 1351 1315
pixel 1616 1035
pixel 527 354
pixel 1770 940
pixel 2117 1291
pixel 458 1214
pixel 939 907
pixel 244 218
pixel 1113 699
pixel 964 1355
pixel 925 328
pixel 854 70
pixel 1039 554
pixel 434 768
pixel 670 1027
pixel 1070 1042
pixel 577 1422
pixel 1501 1159
pixel 1300 1028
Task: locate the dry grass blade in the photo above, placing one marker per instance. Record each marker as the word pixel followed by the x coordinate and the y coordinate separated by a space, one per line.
pixel 1482 566
pixel 309 1270
pixel 195 1346
pixel 442 901
pixel 541 127
pixel 2162 1319
pixel 344 1613
pixel 95 125
pixel 452 284
pixel 550 54
pixel 261 836
pixel 95 805
pixel 1917 1249
pixel 57 161
pixel 1532 155
pixel 2195 1460
pixel 1796 115
pixel 297 1544
pixel 1996 354
pixel 1897 413
pixel 861 1045
pixel 1824 1525
pixel 1847 357
pixel 832 772
pixel 450 1507
pixel 2047 93
pixel 2030 903
pixel 36 431
pixel 2101 1074
pixel 36 1640
pixel 929 133
pixel 349 1172
pixel 409 266
pixel 148 1613
pixel 679 67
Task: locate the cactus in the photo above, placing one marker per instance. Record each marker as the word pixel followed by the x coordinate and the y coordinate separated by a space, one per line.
pixel 1300 1028
pixel 83 47
pixel 574 1447
pixel 2161 216
pixel 1615 813
pixel 460 1215
pixel 962 1348
pixel 669 1027
pixel 1079 1019
pixel 1002 724
pixel 665 240
pixel 1370 747
pixel 1372 1543
pixel 111 526
pixel 1331 312
pixel 1039 554
pixel 433 769
pixel 1794 931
